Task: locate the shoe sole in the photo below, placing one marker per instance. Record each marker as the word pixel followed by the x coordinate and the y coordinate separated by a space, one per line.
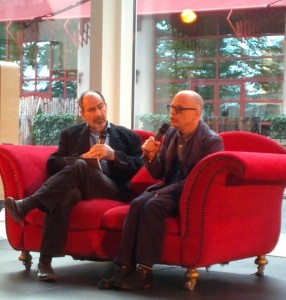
pixel 105 284
pixel 10 206
pixel 127 288
pixel 145 287
pixel 47 278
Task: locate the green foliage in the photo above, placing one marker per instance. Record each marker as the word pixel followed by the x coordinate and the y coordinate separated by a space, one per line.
pixel 152 122
pixel 277 130
pixel 9 48
pixel 47 127
pixel 277 126
pixel 184 54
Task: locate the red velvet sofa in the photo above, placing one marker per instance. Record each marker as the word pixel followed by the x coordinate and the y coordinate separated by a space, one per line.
pixel 230 208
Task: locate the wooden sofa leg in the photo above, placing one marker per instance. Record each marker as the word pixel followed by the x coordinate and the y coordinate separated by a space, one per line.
pixel 26 258
pixel 261 261
pixel 191 276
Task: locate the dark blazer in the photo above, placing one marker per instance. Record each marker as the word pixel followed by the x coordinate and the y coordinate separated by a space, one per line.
pixel 75 141
pixel 204 142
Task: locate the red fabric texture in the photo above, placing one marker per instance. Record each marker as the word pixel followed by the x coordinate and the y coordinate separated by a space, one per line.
pixel 86 215
pixel 250 142
pixel 230 207
pixel 113 219
pixel 141 181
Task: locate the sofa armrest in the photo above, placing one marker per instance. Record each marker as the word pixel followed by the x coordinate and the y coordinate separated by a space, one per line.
pixel 23 168
pixel 231 205
pixel 262 167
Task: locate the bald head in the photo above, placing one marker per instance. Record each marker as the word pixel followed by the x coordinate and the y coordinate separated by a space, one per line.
pixel 186 109
pixel 192 98
pixel 89 93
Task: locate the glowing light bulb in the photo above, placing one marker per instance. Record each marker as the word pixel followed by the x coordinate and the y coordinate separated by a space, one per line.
pixel 188 16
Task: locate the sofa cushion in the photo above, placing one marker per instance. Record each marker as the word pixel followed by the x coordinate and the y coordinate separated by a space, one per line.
pixel 98 213
pixel 85 215
pixel 140 181
pixel 114 219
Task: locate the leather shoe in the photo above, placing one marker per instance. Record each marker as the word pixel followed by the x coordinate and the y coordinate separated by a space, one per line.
pixel 45 272
pixel 122 273
pixel 142 278
pixel 10 205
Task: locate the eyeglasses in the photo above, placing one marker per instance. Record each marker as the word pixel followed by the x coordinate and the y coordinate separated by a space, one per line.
pixel 179 109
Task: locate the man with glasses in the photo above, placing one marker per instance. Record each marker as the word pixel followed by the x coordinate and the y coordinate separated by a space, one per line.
pixel 185 144
pixel 95 159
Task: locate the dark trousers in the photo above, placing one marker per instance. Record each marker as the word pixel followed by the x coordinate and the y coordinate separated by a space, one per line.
pixel 144 227
pixel 59 194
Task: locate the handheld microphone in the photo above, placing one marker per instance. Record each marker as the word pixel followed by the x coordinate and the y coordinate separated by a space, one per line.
pixel 102 136
pixel 101 140
pixel 161 132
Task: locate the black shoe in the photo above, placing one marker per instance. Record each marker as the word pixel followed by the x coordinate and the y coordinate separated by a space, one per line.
pixel 18 209
pixel 122 273
pixel 142 278
pixel 45 271
pixel 11 205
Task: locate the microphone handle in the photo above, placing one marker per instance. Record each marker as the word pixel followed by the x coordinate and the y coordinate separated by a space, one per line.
pixel 99 164
pixel 101 140
pixel 156 138
pixel 160 134
pixel 102 137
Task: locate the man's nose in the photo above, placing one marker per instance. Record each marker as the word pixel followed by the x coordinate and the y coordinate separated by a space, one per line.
pixel 173 112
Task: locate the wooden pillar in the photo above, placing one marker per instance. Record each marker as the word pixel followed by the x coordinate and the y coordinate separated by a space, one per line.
pixel 9 102
pixel 9 105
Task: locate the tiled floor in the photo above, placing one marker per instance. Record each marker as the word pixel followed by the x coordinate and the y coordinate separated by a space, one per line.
pixel 78 279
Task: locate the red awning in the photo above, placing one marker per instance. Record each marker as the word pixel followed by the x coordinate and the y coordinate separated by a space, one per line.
pixel 80 11
pixel 17 10
pixel 150 7
pixel 21 10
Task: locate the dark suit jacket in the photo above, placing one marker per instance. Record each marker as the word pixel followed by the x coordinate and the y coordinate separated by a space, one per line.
pixel 75 141
pixel 204 142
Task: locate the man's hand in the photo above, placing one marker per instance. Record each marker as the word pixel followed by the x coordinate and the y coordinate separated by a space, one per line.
pixel 100 151
pixel 150 148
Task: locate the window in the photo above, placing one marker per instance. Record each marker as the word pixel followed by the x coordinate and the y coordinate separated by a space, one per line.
pixel 238 76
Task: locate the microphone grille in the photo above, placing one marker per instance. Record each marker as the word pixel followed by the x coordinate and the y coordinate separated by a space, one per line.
pixel 164 128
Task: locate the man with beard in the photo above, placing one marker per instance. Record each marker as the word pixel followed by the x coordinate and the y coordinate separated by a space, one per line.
pixel 95 159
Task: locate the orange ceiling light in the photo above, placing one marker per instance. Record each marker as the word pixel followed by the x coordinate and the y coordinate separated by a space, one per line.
pixel 188 16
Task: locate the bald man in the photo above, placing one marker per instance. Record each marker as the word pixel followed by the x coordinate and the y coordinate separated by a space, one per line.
pixel 185 144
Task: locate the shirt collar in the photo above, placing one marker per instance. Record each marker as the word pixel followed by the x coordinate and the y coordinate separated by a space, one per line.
pixel 107 127
pixel 185 137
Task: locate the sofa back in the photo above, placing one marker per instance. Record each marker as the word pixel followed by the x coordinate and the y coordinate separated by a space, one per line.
pixel 23 168
pixel 250 142
pixel 144 134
